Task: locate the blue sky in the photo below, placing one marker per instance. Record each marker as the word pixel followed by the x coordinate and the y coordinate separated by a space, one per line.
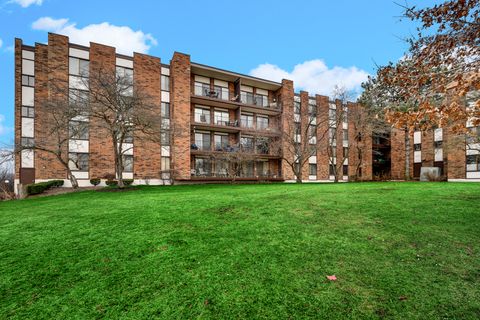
pixel 318 44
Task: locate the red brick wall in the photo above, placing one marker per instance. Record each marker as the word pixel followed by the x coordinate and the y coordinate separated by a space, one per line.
pixel 147 150
pixel 322 138
pixel 102 158
pixel 180 103
pixel 427 148
pixel 18 102
pixel 397 140
pixel 51 78
pixel 304 120
pixel 286 100
pixel 454 145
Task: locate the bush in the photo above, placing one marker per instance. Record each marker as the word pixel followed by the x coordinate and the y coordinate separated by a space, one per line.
pixel 37 188
pixel 95 181
pixel 127 182
pixel 111 182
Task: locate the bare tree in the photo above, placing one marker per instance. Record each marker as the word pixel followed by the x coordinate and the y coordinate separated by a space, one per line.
pixel 7 175
pixel 123 111
pixel 294 146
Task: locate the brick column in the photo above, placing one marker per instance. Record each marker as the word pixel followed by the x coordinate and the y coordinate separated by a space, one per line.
pixel 146 149
pixel 102 156
pixel 51 78
pixel 18 103
pixel 286 100
pixel 304 121
pixel 322 137
pixel 397 141
pixel 427 148
pixel 339 146
pixel 455 145
pixel 180 103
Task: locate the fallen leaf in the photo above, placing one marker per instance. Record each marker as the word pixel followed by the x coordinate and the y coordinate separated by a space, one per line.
pixel 332 278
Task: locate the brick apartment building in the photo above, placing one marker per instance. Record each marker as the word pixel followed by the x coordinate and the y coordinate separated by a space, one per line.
pixel 224 113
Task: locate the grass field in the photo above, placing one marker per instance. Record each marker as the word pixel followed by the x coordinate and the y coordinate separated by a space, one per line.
pixel 399 250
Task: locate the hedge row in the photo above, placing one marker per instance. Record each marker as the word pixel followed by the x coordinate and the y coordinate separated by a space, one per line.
pixel 111 182
pixel 37 188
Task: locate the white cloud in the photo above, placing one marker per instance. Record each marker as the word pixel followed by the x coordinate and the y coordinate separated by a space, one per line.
pixel 27 3
pixel 314 76
pixel 1 42
pixel 123 38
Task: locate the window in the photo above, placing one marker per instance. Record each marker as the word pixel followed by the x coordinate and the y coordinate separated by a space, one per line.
pixel 221 168
pixel 78 161
pixel 247 169
pixel 296 107
pixel 261 100
pixel 333 151
pixel 297 128
pixel 202 89
pixel 345 152
pixel 332 134
pixel 312 167
pixel 261 145
pixel 78 130
pixel 202 140
pixel 127 163
pixel 203 167
pixel 312 109
pixel 27 142
pixel 202 115
pixel 221 117
pixel 312 132
pixel 473 162
pixel 345 170
pixel 28 81
pixel 417 147
pixel 125 81
pixel 345 135
pixel 438 144
pixel 473 135
pixel 165 164
pixel 165 138
pixel 165 110
pixel 128 138
pixel 78 67
pixel 262 123
pixel 78 97
pixel 221 142
pixel 332 114
pixel 247 144
pixel 246 97
pixel 331 169
pixel 262 168
pixel 220 92
pixel 246 120
pixel 165 83
pixel 28 112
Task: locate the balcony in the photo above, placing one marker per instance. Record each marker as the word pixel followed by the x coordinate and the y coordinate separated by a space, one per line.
pixel 260 150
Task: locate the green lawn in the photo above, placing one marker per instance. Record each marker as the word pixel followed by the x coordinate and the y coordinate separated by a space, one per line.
pixel 399 250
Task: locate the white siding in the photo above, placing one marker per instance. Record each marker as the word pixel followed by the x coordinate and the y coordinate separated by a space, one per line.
pixel 312 160
pixel 417 137
pixel 165 71
pixel 127 175
pixel 27 158
pixel 165 151
pixel 78 53
pixel 417 156
pixel 27 127
pixel 312 177
pixel 220 83
pixel 473 148
pixel 202 79
pixel 438 134
pixel 80 174
pixel 124 63
pixel 78 146
pixel 246 88
pixel 473 175
pixel 27 96
pixel 128 148
pixel 439 154
pixel 165 96
pixel 28 54
pixel 28 67
pixel 262 92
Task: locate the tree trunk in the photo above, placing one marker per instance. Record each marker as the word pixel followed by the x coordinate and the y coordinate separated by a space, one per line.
pixel 407 155
pixel 298 176
pixel 72 178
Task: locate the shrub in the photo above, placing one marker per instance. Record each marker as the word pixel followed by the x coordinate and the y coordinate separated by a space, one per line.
pixel 127 182
pixel 95 181
pixel 111 182
pixel 37 188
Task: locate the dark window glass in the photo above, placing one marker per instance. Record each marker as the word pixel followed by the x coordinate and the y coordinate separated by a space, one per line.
pixel 312 169
pixel 417 147
pixel 165 110
pixel 28 112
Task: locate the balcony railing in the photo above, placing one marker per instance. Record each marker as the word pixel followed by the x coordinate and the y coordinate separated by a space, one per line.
pixel 217 92
pixel 258 100
pixel 201 173
pixel 247 148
